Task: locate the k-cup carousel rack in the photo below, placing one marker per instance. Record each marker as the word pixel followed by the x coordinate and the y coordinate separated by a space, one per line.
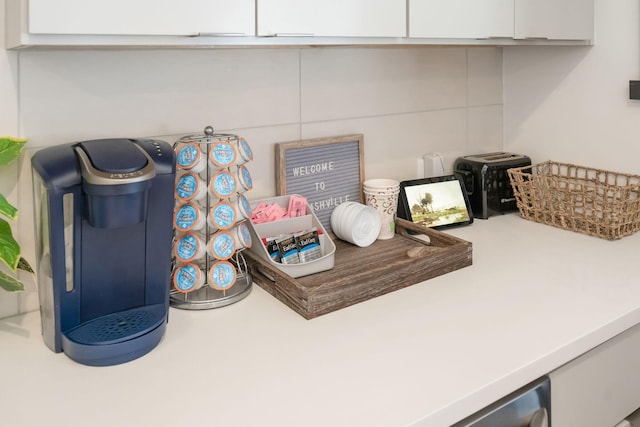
pixel 210 232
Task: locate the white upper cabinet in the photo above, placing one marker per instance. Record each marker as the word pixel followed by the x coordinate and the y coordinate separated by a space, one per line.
pixel 193 23
pixel 141 17
pixel 554 19
pixel 469 19
pixel 332 18
pixel 559 20
pixel 39 18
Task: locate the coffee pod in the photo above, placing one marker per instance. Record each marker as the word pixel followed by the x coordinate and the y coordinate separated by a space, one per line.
pixel 222 154
pixel 189 217
pixel 222 275
pixel 190 157
pixel 223 184
pixel 222 215
pixel 244 150
pixel 242 207
pixel 222 245
pixel 187 278
pixel 242 235
pixel 245 178
pixel 189 247
pixel 190 187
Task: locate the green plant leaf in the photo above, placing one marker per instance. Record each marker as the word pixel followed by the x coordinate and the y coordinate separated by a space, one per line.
pixel 7 209
pixel 24 265
pixel 9 248
pixel 10 148
pixel 9 283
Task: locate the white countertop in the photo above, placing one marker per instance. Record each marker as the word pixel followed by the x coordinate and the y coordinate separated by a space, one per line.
pixel 430 354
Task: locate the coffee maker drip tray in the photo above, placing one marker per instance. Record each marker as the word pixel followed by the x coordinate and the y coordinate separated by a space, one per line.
pixel 117 337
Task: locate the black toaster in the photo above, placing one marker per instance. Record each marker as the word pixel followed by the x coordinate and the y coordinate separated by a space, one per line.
pixel 487 182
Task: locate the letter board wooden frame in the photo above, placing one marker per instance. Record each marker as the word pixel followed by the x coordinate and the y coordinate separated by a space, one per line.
pixel 327 171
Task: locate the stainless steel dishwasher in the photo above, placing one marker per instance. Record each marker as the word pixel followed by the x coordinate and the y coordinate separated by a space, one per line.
pixel 529 406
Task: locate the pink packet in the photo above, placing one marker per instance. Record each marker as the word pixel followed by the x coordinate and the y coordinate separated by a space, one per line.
pixel 297 206
pixel 275 212
pixel 259 217
pixel 259 213
pixel 261 206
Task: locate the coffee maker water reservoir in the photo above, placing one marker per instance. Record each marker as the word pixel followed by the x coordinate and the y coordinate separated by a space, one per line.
pixel 104 218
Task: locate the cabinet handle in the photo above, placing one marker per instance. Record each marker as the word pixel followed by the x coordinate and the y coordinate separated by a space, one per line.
pixel 535 38
pixel 495 38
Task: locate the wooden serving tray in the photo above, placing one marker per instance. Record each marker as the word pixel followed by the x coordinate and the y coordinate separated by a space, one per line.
pixel 363 273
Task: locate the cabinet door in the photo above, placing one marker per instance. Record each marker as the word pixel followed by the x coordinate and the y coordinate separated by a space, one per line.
pixel 554 20
pixel 142 17
pixel 475 19
pixel 600 387
pixel 332 18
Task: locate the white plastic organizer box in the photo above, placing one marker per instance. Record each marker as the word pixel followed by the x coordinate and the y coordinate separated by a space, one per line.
pixel 289 226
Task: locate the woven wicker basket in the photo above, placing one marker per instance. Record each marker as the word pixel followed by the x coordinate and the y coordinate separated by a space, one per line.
pixel 591 201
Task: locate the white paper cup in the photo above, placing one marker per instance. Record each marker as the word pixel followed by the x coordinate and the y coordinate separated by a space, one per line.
pixel 382 195
pixel 381 186
pixel 365 227
pixel 355 223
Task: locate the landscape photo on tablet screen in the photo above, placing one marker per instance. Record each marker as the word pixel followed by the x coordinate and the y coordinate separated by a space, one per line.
pixel 437 204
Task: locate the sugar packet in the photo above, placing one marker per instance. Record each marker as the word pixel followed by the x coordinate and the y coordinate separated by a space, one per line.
pixel 297 206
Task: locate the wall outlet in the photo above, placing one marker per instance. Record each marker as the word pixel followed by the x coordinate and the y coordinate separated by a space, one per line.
pixel 433 165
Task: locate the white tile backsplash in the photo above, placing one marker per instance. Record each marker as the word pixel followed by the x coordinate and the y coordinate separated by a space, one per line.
pixel 407 101
pixel 485 76
pixel 72 95
pixel 344 83
pixel 484 129
pixel 393 143
pixel 8 86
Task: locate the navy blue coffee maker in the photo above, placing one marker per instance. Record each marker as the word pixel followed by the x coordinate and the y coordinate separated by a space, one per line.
pixel 104 213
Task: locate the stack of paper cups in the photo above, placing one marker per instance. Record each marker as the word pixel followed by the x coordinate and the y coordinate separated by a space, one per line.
pixel 382 194
pixel 356 223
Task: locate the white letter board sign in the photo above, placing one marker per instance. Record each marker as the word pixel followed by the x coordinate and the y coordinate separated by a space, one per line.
pixel 327 171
